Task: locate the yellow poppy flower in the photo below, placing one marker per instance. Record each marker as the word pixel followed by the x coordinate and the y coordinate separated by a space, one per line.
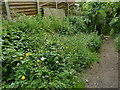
pixel 21 57
pixel 23 77
pixel 66 47
pixel 27 54
pixel 38 60
pixel 39 73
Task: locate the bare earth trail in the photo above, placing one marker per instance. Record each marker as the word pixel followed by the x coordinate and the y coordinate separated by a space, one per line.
pixel 104 74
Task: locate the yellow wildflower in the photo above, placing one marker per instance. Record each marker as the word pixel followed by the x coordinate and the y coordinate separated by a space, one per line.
pixel 39 51
pixel 66 47
pixel 3 87
pixel 73 50
pixel 21 57
pixel 37 27
pixel 39 73
pixel 23 77
pixel 38 60
pixel 27 54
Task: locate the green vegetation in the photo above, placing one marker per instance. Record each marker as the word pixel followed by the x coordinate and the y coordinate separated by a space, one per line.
pixel 41 52
pixel 117 43
pixel 97 15
pixel 46 53
pixel 115 32
pixel 103 17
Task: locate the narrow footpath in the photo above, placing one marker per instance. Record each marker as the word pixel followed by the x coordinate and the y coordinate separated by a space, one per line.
pixel 104 74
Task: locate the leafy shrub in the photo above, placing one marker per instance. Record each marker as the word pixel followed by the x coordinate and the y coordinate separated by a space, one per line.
pixel 81 56
pixel 34 57
pixel 53 24
pixel 94 41
pixel 22 57
pixel 115 32
pixel 94 15
pixel 115 25
pixel 117 43
pixel 79 23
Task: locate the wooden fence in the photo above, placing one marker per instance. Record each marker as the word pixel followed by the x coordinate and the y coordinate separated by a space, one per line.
pixel 27 7
pixel 60 13
pixel 0 7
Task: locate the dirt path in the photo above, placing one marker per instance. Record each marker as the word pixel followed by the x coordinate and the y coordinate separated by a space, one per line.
pixel 105 74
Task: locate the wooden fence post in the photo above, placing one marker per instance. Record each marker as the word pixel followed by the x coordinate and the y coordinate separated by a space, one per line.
pixel 38 10
pixel 7 9
pixel 56 4
pixel 68 9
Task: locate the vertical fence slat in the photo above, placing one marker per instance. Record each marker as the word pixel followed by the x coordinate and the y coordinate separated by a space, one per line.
pixel 7 9
pixel 68 9
pixel 56 4
pixel 38 7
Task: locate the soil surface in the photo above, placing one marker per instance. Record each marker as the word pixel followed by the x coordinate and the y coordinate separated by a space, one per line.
pixel 104 74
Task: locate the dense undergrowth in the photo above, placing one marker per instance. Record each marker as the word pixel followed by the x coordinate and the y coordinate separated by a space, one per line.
pixel 103 17
pixel 38 52
pixel 46 53
pixel 117 43
pixel 115 32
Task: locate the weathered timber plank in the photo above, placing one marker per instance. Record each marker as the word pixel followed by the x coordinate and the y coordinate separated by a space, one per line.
pixel 21 7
